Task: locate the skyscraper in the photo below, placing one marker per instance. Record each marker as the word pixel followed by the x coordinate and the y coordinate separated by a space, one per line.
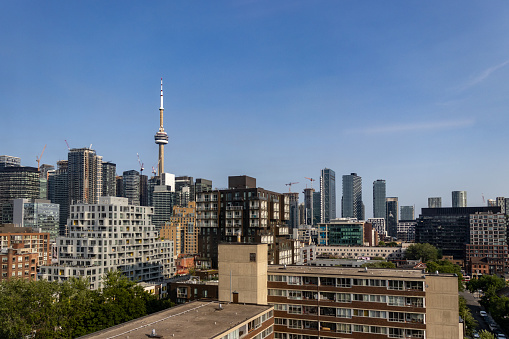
pixel 435 202
pixel 351 202
pixel 293 222
pixel 308 205
pixel 459 198
pixel 109 182
pixel 316 208
pixel 84 176
pixel 9 161
pixel 327 195
pixel 15 183
pixel 392 216
pixel 58 192
pixel 131 182
pixel 379 195
pixel 407 213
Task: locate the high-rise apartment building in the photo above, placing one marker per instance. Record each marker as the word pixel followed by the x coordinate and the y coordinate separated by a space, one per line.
pixel 351 202
pixel 163 200
pixel 184 189
pixel 111 235
pixel 316 207
pixel 379 195
pixel 392 216
pixel 435 202
pixel 131 182
pixel 309 205
pixel 37 214
pixel 327 195
pixel 182 230
pixel 337 302
pixel 459 198
pixel 244 213
pixel 16 183
pixel 407 213
pixel 488 242
pixel 58 192
pixel 144 190
pixel 448 228
pixel 202 185
pixel 293 221
pixel 119 180
pixel 84 176
pixel 109 182
pixel 9 161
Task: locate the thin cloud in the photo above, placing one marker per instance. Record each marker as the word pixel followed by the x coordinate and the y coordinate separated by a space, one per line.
pixel 416 127
pixel 483 76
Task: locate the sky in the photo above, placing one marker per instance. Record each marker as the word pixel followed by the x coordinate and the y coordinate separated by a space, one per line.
pixel 413 92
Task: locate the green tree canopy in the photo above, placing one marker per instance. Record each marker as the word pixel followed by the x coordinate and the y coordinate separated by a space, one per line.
pixel 379 264
pixel 424 252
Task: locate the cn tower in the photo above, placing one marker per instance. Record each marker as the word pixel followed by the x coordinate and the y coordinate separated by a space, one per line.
pixel 161 138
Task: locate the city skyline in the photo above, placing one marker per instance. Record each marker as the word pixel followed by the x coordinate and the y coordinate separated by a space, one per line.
pixel 340 80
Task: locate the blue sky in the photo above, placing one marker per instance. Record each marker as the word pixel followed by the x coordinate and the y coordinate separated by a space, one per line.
pixel 412 92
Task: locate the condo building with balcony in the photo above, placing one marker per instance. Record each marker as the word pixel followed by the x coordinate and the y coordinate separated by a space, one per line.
pixel 111 235
pixel 244 213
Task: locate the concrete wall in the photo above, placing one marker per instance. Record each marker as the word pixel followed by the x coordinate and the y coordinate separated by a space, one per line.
pixel 248 278
pixel 442 313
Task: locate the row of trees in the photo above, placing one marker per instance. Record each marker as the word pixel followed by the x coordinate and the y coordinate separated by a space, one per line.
pixel 497 306
pixel 70 309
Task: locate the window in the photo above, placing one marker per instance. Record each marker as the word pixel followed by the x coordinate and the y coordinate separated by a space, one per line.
pixel 294 280
pixel 297 295
pixel 252 257
pixel 295 309
pixel 277 293
pixel 344 313
pixel 294 323
pixel 360 282
pixel 343 297
pixel 344 328
pixel 277 278
pixel 344 282
pixel 396 284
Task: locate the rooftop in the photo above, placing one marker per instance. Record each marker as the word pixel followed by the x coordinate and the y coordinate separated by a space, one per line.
pixel 196 319
pixel 351 271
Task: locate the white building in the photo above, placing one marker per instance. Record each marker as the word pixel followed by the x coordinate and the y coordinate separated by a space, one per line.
pixel 310 253
pixel 108 236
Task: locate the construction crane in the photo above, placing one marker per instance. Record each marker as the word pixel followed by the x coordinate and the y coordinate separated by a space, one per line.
pixel 39 158
pixel 290 186
pixel 67 145
pixel 154 171
pixel 141 164
pixel 310 179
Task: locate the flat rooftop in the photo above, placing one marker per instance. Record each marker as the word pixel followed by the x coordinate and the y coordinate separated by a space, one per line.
pixel 198 319
pixel 350 271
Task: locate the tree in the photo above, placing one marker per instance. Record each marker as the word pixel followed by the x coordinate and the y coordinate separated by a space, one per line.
pixel 466 315
pixel 379 264
pixel 444 266
pixel 381 243
pixel 486 282
pixel 424 252
pixel 486 335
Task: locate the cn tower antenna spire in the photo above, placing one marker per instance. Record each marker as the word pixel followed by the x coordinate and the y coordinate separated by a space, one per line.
pixel 161 138
pixel 162 107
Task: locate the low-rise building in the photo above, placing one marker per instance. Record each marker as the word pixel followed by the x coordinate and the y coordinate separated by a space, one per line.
pixel 310 253
pixel 198 320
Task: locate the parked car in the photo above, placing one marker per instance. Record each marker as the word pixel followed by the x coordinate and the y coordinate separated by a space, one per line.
pixel 483 314
pixel 501 336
